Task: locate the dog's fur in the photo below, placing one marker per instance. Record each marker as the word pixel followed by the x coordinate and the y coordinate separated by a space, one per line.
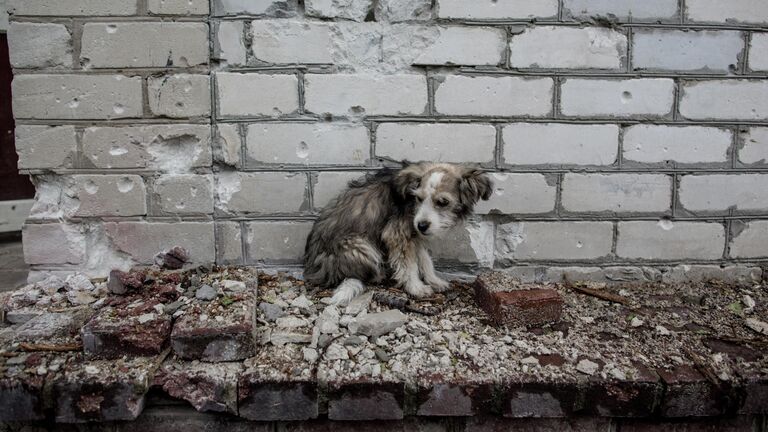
pixel 378 228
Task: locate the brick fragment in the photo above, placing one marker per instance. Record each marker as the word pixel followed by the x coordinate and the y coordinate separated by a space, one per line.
pixel 112 333
pixel 508 304
pixel 207 387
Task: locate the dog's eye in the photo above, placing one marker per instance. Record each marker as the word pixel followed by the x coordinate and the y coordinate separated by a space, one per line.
pixel 418 198
pixel 442 202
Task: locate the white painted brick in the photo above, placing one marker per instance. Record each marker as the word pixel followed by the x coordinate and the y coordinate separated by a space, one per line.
pixel 276 242
pixel 73 7
pixel 97 97
pixel 568 48
pixel 617 98
pixel 242 95
pixel 169 148
pixel 45 147
pixel 184 194
pixel 750 243
pixel 142 241
pixel 34 45
pixel 254 7
pixel 560 144
pixel 493 9
pixel 364 94
pixel 403 10
pixel 666 240
pixel 554 240
pixel 638 10
pixel 53 244
pixel 177 7
pixel 719 11
pixel 490 96
pixel 355 10
pixel 228 144
pixel 690 144
pixel 145 44
pixel 229 243
pixel 519 194
pixel 617 193
pixel 726 99
pixel 289 41
pixel 710 51
pixel 229 46
pixel 307 144
pixel 262 193
pixel 736 274
pixel 473 46
pixel 110 195
pixel 758 52
pixel 468 243
pixel 3 15
pixel 180 96
pixel 754 146
pixel 330 184
pixel 439 142
pixel 719 192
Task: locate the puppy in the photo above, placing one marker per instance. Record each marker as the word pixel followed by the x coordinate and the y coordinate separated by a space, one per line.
pixel 378 228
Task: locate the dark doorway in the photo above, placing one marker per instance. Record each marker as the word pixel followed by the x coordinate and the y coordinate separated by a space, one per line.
pixel 12 185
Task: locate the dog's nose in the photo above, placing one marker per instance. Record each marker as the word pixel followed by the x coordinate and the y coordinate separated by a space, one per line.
pixel 423 226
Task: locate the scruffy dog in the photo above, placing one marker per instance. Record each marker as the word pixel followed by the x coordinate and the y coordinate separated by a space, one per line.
pixel 379 227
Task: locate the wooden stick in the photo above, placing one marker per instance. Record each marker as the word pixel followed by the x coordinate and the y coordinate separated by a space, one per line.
pixel 702 367
pixel 48 347
pixel 601 295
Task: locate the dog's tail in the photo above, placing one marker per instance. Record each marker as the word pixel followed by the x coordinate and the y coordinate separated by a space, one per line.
pixel 347 290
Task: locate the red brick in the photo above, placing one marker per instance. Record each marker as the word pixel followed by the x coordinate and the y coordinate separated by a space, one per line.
pixel 507 302
pixel 207 387
pixel 109 335
pixel 638 396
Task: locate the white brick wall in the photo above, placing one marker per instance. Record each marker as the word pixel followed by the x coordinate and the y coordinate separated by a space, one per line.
pixel 255 95
pixel 638 10
pixel 288 41
pixel 493 10
pixel 758 52
pixel 276 242
pixel 177 7
pixel 32 146
pixel 688 145
pixel 620 193
pixel 307 144
pixel 560 144
pixel 180 96
pixel 717 11
pixel 568 48
pixel 330 184
pixel 73 7
pixel 519 194
pixel 720 99
pixel 653 97
pixel 34 45
pixel 667 240
pixel 548 241
pixel 184 194
pixel 432 142
pixel 745 192
pixel 487 96
pixel 755 146
pixel 357 94
pixel 655 49
pixel 110 195
pixel 262 193
pixel 750 243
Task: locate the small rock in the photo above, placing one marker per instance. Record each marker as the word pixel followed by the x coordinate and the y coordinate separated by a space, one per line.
pixel 660 329
pixel 14 361
pixel 50 285
pixel 159 308
pixel 78 282
pixel 749 303
pixel 530 361
pixel 587 367
pixel 91 370
pixel 80 297
pixel 400 332
pixel 354 341
pixel 143 319
pixel 171 308
pixel 473 351
pixel 403 347
pixel 636 322
pixel 618 374
pixel 757 325
pixel 345 320
pixel 290 322
pixel 301 302
pixel 359 303
pixel 310 354
pixel 324 340
pixel 328 322
pixel 175 258
pixel 336 352
pixel 233 285
pixel 279 338
pixel 378 324
pixel 42 370
pixel 271 311
pixel 381 355
pixel 206 293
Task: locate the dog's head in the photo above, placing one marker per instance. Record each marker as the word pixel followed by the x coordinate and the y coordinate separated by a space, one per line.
pixel 442 194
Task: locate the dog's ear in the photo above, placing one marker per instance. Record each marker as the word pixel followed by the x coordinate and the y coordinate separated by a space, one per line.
pixel 408 179
pixel 474 186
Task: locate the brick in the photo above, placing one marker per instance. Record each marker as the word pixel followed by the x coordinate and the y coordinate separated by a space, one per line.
pixel 666 240
pixel 758 52
pixel 437 398
pixel 432 142
pixel 471 243
pixel 22 399
pixel 568 48
pixel 491 10
pixel 735 11
pixel 571 424
pixel 554 240
pixel 737 274
pixel 229 44
pixel 37 45
pixel 506 304
pixel 55 328
pixel 112 335
pixel 276 242
pixel 177 7
pixel 620 193
pixel 229 243
pixel 227 144
pixel 45 146
pixel 288 42
pixel 110 195
pixel 687 145
pixel 330 184
pixel 533 397
pixel 472 46
pixel 746 192
pixel 356 401
pixel 560 144
pixel 355 10
pixel 180 96
pixel 261 193
pixel 97 97
pixel 403 10
pixel 242 95
pixel 519 194
pixel 638 10
pixel 169 148
pixel 754 147
pixel 635 396
pixel 691 424
pixel 4 15
pixel 307 144
pixel 142 241
pixel 118 45
pixel 254 7
pixel 490 96
pixel 184 194
pixel 705 51
pixel 53 244
pixel 688 393
pixel 207 387
pixel 356 94
pixel 73 7
pixel 645 98
pixel 732 99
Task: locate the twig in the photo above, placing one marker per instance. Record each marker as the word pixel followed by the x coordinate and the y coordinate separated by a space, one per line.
pixel 47 347
pixel 600 294
pixel 702 367
pixel 402 303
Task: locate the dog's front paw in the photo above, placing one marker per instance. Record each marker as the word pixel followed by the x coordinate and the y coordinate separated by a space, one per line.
pixel 438 284
pixel 419 289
